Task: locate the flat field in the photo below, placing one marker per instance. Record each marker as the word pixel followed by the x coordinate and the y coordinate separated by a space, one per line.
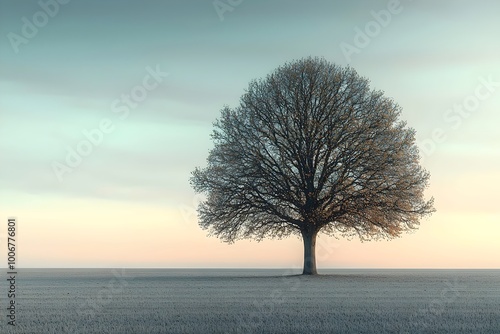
pixel 253 301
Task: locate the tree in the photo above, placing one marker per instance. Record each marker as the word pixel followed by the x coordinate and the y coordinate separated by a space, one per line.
pixel 311 148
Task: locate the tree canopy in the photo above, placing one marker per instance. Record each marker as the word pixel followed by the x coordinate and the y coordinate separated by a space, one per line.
pixel 311 148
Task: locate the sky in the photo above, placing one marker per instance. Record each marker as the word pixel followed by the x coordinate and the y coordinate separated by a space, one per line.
pixel 107 106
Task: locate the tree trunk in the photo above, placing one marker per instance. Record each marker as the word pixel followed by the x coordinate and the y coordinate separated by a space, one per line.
pixel 309 252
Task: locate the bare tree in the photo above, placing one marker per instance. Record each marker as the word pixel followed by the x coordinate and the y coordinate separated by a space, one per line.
pixel 311 148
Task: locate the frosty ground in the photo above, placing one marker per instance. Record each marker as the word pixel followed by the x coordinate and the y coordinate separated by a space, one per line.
pixel 255 301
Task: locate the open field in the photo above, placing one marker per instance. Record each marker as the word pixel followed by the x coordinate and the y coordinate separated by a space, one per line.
pixel 254 301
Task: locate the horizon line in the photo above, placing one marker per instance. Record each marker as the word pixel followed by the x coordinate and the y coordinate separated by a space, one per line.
pixel 265 268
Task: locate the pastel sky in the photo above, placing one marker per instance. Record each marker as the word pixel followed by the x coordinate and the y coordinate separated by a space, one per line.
pixel 153 75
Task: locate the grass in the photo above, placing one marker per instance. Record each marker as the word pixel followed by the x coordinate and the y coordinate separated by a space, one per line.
pixel 342 301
